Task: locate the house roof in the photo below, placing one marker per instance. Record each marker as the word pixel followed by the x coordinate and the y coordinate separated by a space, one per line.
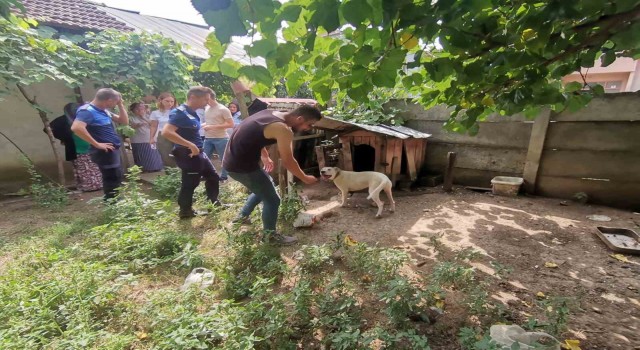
pixel 72 14
pixel 401 132
pixel 90 16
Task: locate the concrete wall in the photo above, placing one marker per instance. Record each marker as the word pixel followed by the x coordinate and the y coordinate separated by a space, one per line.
pixel 21 123
pixel 595 150
pixel 499 148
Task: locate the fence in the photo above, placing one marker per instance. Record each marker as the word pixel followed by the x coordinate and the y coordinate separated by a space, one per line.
pixel 595 150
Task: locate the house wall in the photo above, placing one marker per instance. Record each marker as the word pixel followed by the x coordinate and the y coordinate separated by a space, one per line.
pixel 595 150
pixel 20 122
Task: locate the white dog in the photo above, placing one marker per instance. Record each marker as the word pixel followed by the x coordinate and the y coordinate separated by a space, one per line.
pixel 349 181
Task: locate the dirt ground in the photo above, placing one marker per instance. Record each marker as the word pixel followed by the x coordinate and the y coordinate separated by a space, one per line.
pixel 520 233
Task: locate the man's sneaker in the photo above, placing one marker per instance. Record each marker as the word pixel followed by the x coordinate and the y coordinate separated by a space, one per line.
pixel 218 204
pixel 188 214
pixel 224 179
pixel 242 220
pixel 279 239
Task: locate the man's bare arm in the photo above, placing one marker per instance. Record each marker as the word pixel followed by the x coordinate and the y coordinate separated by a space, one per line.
pixel 123 117
pixel 284 138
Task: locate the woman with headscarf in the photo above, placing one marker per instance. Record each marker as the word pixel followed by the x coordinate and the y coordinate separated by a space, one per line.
pixel 86 172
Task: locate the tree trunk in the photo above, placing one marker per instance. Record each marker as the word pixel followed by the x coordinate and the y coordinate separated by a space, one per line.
pixel 45 121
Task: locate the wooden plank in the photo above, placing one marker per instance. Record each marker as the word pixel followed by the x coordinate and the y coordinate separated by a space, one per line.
pixel 359 133
pixel 377 146
pixel 390 145
pixel 619 166
pixel 397 153
pixel 395 164
pixel 320 156
pixel 601 136
pixel 613 193
pixel 536 145
pixel 346 152
pixel 448 174
pixel 410 151
pixel 610 107
pixel 422 150
pixel 306 137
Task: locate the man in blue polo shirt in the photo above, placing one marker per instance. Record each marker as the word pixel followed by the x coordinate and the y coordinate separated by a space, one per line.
pixel 94 124
pixel 183 129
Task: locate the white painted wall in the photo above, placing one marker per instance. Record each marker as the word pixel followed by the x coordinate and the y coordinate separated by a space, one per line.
pixel 21 123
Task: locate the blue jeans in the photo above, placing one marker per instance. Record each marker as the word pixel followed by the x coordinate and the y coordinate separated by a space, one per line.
pixel 262 190
pixel 217 145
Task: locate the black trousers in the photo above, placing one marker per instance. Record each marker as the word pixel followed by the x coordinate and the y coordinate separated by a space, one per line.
pixel 194 169
pixel 110 167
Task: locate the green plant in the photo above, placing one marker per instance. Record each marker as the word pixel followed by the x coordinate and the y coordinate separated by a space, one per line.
pixel 290 206
pixel 451 274
pixel 501 271
pixel 45 194
pixel 167 186
pixel 375 110
pixel 314 258
pixel 479 57
pixel 557 310
pixel 471 339
pixel 403 299
pixel 378 264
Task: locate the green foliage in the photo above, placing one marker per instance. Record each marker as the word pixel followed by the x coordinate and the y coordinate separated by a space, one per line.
pixel 167 186
pixel 479 57
pixel 45 194
pixel 375 110
pixel 290 206
pixel 27 58
pixel 137 64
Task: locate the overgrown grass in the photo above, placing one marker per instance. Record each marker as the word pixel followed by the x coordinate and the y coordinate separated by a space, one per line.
pixel 78 286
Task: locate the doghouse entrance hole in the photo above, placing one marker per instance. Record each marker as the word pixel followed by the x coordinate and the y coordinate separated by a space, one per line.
pixel 364 158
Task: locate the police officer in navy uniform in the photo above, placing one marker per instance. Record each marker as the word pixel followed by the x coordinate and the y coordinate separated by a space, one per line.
pixel 94 124
pixel 183 129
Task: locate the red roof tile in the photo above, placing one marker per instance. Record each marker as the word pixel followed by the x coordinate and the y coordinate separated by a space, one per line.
pixel 74 14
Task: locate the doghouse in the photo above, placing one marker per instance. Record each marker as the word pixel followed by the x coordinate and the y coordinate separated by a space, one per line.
pixel 396 151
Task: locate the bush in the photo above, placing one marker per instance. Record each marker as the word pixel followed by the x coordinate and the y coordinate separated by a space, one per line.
pixel 45 194
pixel 167 186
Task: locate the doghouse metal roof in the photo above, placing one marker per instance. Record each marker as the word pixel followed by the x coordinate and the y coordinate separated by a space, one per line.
pixel 401 132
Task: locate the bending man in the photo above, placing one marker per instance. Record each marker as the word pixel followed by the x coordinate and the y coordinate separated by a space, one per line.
pixel 246 148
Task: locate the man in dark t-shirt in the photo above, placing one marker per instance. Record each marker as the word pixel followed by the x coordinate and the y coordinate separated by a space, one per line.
pixel 94 124
pixel 183 129
pixel 247 146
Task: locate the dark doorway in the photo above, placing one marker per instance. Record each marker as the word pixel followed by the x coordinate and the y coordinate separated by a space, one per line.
pixel 364 158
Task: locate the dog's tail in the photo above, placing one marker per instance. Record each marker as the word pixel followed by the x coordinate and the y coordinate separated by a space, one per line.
pixel 377 190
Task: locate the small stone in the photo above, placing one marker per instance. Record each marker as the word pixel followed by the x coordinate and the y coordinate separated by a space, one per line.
pixel 596 310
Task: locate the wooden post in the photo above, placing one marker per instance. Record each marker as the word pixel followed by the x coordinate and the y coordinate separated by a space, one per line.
pixel 534 154
pixel 448 175
pixel 320 155
pixel 410 151
pixel 346 150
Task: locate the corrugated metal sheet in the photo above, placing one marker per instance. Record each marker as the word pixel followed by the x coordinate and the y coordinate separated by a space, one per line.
pixel 401 132
pixel 192 36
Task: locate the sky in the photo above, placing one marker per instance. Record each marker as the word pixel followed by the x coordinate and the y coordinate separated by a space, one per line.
pixel 181 10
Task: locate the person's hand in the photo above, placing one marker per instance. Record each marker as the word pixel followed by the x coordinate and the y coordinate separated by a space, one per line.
pixel 107 147
pixel 153 141
pixel 194 150
pixel 309 179
pixel 268 164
